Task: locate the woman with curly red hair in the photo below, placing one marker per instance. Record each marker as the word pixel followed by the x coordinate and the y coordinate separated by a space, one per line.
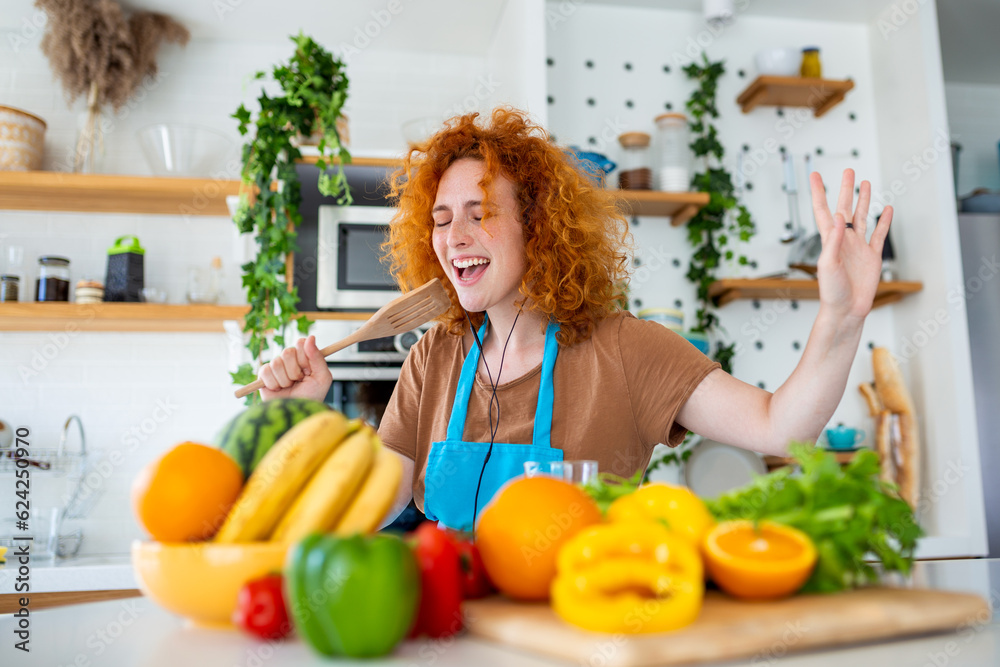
pixel 536 360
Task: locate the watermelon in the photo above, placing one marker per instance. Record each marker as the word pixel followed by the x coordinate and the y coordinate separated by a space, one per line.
pixel 250 434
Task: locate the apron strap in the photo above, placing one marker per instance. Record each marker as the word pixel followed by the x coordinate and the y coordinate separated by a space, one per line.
pixel 460 409
pixel 542 431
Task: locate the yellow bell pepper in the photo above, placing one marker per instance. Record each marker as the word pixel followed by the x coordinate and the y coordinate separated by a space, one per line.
pixel 629 578
pixel 683 512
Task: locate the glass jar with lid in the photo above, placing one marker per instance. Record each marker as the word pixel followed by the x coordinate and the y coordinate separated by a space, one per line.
pixel 52 283
pixel 636 173
pixel 9 287
pixel 673 167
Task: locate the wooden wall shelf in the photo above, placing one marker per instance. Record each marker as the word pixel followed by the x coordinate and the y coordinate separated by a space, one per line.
pixel 31 316
pixel 102 193
pixel 731 289
pixel 772 462
pixel 820 95
pixel 678 206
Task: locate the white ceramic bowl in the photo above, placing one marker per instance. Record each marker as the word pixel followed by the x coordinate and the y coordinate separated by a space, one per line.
pixel 779 61
pixel 186 150
pixel 22 140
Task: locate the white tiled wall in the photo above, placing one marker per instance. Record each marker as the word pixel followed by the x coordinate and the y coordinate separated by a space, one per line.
pixel 975 124
pixel 140 393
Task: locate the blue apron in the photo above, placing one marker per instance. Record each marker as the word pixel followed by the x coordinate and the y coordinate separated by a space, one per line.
pixel 453 465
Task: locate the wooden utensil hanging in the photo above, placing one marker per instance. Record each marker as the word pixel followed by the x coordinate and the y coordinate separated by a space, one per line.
pixel 403 313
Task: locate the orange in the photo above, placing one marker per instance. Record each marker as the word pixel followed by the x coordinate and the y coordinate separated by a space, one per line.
pixel 185 494
pixel 678 507
pixel 758 563
pixel 520 532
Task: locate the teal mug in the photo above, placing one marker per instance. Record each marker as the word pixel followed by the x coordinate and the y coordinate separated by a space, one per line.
pixel 844 437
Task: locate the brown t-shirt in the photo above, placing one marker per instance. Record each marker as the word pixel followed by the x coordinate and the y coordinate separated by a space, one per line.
pixel 616 396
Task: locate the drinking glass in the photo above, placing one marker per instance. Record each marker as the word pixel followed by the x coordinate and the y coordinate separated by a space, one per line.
pixel 575 472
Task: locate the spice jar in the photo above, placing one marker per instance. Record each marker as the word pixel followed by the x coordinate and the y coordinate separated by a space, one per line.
pixel 53 279
pixel 811 66
pixel 635 173
pixel 9 287
pixel 674 168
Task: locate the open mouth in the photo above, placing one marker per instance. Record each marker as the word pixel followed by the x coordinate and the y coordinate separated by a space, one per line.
pixel 470 269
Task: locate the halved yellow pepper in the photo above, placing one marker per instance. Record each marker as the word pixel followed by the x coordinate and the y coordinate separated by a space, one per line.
pixel 630 578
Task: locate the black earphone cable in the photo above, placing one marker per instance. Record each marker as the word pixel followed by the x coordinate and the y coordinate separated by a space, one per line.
pixel 493 397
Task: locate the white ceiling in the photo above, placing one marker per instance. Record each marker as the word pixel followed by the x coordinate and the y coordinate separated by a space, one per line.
pixel 970 40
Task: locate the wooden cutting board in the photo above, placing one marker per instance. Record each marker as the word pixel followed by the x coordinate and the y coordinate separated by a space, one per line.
pixel 728 629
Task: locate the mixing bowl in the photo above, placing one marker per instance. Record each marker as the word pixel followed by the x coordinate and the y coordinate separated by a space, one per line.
pixel 200 580
pixel 186 150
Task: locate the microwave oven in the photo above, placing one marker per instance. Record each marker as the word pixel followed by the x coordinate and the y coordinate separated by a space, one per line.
pixel 350 271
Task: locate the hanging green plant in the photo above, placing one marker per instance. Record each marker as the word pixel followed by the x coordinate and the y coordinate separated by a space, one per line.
pixel 314 88
pixel 715 230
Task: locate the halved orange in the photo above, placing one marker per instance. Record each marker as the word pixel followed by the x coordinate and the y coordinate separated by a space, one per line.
pixel 761 562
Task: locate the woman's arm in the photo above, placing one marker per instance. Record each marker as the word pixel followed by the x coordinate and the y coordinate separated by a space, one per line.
pixel 729 410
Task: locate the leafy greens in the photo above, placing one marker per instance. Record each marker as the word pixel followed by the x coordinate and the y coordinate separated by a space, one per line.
pixel 846 511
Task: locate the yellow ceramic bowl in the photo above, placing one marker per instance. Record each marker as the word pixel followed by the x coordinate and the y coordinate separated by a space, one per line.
pixel 200 580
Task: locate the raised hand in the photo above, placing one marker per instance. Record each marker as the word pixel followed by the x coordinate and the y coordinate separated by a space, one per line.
pixel 849 266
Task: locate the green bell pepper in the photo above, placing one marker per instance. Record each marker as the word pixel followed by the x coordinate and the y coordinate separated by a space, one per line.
pixel 355 596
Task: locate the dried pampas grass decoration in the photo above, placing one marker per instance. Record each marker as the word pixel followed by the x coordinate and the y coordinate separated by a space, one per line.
pixel 95 51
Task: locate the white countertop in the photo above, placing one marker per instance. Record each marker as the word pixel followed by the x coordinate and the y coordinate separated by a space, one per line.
pixel 137 633
pixel 87 573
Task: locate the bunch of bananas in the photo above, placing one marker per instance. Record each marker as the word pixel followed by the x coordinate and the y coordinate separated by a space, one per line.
pixel 326 474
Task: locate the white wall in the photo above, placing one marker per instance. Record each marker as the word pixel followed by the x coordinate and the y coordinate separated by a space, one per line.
pixel 974 121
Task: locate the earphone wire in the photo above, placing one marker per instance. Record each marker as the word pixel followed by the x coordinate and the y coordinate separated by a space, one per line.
pixel 493 397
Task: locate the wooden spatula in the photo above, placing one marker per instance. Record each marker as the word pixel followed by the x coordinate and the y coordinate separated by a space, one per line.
pixel 403 313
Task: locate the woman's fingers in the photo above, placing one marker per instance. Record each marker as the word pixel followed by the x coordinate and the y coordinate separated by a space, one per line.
pixel 820 210
pixel 861 212
pixel 316 360
pixel 290 361
pixel 301 357
pixel 846 197
pixel 881 230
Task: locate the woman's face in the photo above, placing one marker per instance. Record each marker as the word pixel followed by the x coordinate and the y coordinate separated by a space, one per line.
pixel 485 263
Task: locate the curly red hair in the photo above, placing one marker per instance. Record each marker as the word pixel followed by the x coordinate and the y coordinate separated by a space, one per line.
pixel 575 235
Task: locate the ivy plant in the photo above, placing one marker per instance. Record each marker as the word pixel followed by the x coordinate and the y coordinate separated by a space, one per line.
pixel 313 86
pixel 717 228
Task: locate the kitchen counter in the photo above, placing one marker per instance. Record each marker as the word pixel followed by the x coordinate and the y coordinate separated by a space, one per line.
pixel 87 573
pixel 137 633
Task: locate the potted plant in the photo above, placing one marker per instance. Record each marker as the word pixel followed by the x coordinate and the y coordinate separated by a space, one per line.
pixel 313 91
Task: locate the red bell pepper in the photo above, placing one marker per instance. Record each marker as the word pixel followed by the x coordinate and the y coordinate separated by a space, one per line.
pixel 475 582
pixel 440 611
pixel 260 608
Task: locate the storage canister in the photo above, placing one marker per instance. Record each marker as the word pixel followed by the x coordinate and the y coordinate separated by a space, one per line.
pixel 9 287
pixel 124 279
pixel 811 66
pixel 635 173
pixel 674 158
pixel 52 283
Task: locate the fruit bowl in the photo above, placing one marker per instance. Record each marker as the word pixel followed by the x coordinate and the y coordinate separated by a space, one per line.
pixel 200 580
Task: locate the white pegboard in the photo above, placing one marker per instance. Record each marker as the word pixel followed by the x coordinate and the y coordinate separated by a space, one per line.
pixel 613 69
